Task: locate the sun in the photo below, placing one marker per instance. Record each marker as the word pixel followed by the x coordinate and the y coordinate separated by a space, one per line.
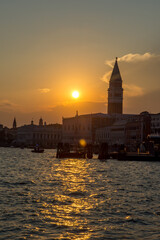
pixel 75 94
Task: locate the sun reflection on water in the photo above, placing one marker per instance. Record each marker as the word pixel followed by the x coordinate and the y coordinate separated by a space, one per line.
pixel 75 192
pixel 72 200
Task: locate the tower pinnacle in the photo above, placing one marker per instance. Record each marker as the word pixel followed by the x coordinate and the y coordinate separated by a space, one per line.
pixel 115 91
pixel 14 123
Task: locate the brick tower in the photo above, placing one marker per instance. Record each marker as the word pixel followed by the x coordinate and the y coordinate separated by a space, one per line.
pixel 115 91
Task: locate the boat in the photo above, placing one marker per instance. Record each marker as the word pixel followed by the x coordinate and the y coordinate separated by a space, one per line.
pixel 103 152
pixel 71 155
pixel 148 151
pixel 38 150
pixel 73 151
pixel 138 157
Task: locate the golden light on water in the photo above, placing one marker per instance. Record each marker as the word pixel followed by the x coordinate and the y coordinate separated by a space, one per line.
pixel 68 203
pixel 65 210
pixel 75 94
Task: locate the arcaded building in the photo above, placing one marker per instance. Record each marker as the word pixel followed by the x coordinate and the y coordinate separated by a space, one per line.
pixel 84 127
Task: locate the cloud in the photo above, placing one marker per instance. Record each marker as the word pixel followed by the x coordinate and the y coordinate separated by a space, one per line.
pixel 44 90
pixel 106 76
pixel 137 57
pixel 132 58
pixel 139 71
pixel 6 104
pixel 131 90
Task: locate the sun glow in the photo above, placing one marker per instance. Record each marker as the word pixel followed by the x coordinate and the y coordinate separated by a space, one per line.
pixel 75 94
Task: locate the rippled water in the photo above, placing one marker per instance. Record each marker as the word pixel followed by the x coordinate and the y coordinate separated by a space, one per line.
pixel 42 197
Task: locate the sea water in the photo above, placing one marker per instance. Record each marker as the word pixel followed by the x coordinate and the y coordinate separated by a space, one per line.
pixel 42 197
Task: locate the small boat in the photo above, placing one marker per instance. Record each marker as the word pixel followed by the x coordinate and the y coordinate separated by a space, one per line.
pixel 103 152
pixel 68 151
pixel 138 157
pixel 71 155
pixel 38 150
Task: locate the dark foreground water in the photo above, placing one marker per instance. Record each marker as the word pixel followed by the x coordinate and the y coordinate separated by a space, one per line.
pixel 42 197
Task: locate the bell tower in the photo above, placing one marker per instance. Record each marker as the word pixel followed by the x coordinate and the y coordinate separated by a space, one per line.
pixel 115 91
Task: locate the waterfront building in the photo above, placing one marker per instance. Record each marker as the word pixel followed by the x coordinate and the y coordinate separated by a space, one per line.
pixel 1 127
pixel 94 128
pixel 137 130
pixel 47 136
pixel 1 135
pixel 145 118
pixel 6 136
pixel 127 129
pixel 117 133
pixel 103 135
pixel 133 134
pixel 155 123
pixel 112 135
pixel 84 127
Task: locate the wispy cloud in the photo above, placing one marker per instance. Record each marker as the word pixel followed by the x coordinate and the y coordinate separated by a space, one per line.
pixel 106 76
pixel 44 90
pixel 6 104
pixel 136 57
pixel 133 57
pixel 132 90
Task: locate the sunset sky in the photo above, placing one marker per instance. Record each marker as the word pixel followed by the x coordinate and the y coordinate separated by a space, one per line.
pixel 49 48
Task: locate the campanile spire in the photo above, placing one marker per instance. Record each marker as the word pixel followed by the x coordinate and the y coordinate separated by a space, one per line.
pixel 115 91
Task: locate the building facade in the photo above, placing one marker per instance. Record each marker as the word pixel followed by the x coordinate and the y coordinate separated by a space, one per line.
pixel 46 136
pixel 155 123
pixel 84 127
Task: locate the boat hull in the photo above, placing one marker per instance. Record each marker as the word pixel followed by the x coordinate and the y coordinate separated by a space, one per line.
pixel 38 151
pixel 71 155
pixel 138 157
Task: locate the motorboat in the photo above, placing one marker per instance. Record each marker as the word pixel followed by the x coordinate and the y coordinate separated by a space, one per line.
pixel 38 150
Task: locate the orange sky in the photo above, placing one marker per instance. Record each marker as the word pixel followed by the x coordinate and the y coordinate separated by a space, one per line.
pixel 50 48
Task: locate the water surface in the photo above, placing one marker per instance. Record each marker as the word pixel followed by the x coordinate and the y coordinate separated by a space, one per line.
pixel 42 197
